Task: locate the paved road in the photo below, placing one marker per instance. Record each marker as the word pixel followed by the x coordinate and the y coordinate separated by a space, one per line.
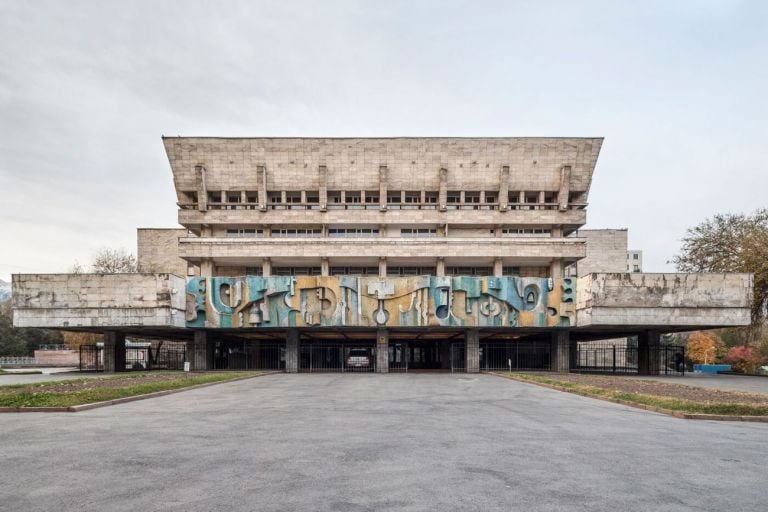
pixel 727 382
pixel 378 442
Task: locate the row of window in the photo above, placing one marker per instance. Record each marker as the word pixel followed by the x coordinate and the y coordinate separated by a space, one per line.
pixel 374 271
pixel 364 232
pixel 394 198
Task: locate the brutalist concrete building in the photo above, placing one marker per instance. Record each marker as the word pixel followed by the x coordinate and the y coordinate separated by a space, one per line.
pixel 379 254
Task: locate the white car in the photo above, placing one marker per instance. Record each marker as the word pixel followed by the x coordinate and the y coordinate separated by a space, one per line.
pixel 358 358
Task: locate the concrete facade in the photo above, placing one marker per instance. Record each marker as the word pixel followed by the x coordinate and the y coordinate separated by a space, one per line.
pixel 413 253
pixel 158 251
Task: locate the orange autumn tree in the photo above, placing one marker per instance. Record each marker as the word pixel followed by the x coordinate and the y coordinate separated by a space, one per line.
pixel 705 347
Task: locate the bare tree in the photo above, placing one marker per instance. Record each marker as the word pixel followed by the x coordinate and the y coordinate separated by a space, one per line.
pixel 111 261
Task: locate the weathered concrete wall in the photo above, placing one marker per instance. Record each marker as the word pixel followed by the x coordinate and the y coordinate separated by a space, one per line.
pixel 158 251
pixel 695 300
pixel 606 251
pixel 354 163
pixel 98 300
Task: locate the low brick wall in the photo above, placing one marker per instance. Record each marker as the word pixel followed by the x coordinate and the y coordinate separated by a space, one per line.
pixel 57 357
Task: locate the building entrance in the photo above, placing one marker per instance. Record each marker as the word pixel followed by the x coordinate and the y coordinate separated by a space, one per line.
pixel 422 355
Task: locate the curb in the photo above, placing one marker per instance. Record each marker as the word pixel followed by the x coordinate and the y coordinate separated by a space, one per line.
pixel 651 408
pixel 117 401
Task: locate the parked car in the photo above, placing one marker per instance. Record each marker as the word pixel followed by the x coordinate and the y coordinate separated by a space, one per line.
pixel 358 358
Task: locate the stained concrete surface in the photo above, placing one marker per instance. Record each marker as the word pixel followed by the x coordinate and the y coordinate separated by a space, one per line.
pixel 378 442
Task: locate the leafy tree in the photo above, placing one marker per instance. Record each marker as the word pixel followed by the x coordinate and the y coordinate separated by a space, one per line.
pixel 742 359
pixel 731 243
pixel 705 347
pixel 22 342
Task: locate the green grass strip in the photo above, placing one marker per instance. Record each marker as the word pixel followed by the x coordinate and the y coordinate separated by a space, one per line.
pixel 41 397
pixel 668 403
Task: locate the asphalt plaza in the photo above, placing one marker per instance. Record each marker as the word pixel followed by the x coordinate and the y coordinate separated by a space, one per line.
pixel 378 442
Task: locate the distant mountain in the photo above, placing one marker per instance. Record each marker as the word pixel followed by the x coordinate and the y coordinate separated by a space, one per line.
pixel 5 290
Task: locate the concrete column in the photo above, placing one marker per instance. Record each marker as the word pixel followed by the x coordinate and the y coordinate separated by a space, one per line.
pixel 292 351
pixel 382 267
pixel 565 187
pixel 560 352
pixel 504 189
pixel 266 267
pixel 198 352
pixel 206 267
pixel 648 343
pixel 325 267
pixel 114 352
pixel 498 267
pixel 202 189
pixel 442 193
pixel 262 174
pixel 323 189
pixel 440 267
pixel 556 268
pixel 382 351
pixel 383 172
pixel 472 338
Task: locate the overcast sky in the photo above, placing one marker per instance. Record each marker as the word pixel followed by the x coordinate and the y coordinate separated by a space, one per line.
pixel 678 90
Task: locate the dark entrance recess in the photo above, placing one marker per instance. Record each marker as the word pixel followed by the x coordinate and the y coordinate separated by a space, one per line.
pixel 358 356
pixel 426 355
pixel 517 355
pixel 249 355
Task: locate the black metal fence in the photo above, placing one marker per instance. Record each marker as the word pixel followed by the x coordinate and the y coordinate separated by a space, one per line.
pixel 458 357
pixel 515 355
pixel 154 358
pixel 337 357
pixel 91 358
pixel 243 355
pixel 621 358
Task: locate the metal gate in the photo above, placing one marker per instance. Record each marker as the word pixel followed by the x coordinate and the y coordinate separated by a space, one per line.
pixel 154 358
pixel 249 355
pixel 91 358
pixel 515 355
pixel 458 357
pixel 399 356
pixel 359 357
pixel 621 358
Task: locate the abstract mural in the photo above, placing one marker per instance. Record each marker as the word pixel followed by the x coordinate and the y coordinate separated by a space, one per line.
pixel 418 301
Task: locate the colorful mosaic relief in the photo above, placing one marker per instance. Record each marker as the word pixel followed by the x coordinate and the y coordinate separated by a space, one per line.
pixel 419 301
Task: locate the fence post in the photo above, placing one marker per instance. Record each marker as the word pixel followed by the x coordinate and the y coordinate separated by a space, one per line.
pixel 614 358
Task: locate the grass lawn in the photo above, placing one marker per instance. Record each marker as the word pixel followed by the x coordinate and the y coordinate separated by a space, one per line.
pixel 668 396
pixel 89 390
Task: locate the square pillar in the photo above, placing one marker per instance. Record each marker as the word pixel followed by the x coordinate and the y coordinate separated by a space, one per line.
pixel 472 337
pixel 382 351
pixel 382 267
pixel 292 351
pixel 648 343
pixel 198 352
pixel 114 352
pixel 556 268
pixel 440 267
pixel 325 267
pixel 498 267
pixel 560 352
pixel 266 267
pixel 206 267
